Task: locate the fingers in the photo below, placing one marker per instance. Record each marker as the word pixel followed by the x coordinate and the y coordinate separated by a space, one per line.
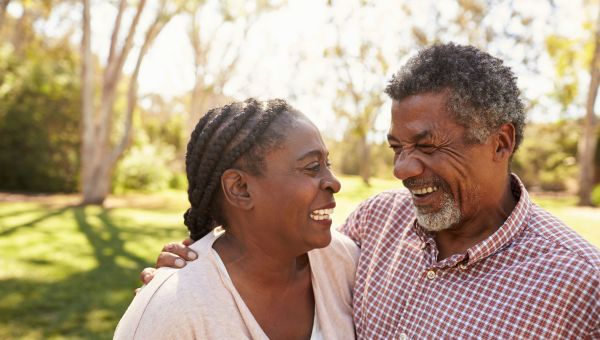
pixel 180 250
pixel 147 275
pixel 166 259
pixel 172 255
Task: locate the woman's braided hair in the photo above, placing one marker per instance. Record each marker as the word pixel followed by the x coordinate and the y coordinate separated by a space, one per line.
pixel 238 131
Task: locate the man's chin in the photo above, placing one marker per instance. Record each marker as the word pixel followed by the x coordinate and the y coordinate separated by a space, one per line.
pixel 443 219
pixel 431 224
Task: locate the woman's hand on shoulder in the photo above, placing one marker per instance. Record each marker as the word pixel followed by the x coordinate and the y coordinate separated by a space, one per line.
pixel 172 255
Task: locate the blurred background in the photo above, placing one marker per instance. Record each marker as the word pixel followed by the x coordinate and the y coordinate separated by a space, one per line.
pixel 98 98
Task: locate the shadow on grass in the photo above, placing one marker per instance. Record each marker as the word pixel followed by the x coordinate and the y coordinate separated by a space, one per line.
pixel 83 305
pixel 33 222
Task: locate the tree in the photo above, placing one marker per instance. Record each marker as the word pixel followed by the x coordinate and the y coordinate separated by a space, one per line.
pixel 39 118
pixel 572 56
pixel 3 7
pixel 216 53
pixel 98 154
pixel 587 144
pixel 362 68
pixel 358 103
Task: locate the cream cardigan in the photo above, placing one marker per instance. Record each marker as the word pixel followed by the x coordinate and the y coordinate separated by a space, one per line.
pixel 199 301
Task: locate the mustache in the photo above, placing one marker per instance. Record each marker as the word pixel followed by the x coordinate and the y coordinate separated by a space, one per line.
pixel 412 183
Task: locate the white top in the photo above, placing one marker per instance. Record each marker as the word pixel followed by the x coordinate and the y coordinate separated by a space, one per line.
pixel 200 301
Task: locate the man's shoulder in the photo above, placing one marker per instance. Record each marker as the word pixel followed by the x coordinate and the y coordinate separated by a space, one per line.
pixel 394 198
pixel 561 241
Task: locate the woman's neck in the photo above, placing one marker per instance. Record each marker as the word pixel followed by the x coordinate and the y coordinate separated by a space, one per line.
pixel 256 264
pixel 276 287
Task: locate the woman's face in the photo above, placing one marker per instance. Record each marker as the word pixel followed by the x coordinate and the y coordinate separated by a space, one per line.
pixel 294 195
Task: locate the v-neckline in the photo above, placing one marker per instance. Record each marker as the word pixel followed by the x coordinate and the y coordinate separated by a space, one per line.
pixel 253 326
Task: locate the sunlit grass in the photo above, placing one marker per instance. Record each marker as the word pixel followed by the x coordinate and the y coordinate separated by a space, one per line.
pixel 70 272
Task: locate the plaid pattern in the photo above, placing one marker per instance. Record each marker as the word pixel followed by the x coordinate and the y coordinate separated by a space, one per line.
pixel 533 278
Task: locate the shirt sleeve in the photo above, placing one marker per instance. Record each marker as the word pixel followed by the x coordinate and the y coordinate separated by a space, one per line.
pixel 594 334
pixel 354 225
pixel 156 312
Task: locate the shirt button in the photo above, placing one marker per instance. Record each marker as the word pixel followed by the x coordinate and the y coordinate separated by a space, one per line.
pixel 462 266
pixel 403 336
pixel 431 274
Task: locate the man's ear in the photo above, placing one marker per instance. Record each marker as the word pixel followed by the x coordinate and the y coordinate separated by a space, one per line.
pixel 504 142
pixel 235 188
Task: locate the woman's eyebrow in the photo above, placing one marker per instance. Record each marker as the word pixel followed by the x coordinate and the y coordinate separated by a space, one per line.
pixel 311 153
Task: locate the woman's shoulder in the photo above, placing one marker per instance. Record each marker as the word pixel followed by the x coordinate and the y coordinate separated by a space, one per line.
pixel 157 309
pixel 342 253
pixel 342 245
pixel 164 305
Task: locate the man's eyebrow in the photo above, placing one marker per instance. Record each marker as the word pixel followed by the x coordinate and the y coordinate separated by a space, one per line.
pixel 311 153
pixel 422 135
pixel 416 137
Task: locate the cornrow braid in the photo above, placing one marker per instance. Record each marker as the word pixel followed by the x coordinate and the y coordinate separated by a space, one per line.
pixel 197 189
pixel 202 134
pixel 220 138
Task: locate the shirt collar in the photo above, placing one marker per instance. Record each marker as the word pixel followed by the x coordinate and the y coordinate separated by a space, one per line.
pixel 516 221
pixel 514 224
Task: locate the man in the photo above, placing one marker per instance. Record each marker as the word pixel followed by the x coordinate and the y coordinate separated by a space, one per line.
pixel 464 253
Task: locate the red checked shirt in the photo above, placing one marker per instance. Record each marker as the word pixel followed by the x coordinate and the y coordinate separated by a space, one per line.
pixel 533 278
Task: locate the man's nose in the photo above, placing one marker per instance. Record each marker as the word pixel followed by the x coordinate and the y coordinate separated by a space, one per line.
pixel 406 166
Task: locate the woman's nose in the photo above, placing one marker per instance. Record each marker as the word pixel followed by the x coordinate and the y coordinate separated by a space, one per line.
pixel 330 182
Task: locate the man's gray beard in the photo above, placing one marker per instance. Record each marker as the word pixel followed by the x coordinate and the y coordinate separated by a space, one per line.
pixel 447 216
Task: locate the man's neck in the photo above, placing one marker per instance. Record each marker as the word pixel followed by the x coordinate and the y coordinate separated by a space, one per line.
pixel 468 233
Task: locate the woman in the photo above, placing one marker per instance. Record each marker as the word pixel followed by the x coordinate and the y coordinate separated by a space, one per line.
pixel 261 195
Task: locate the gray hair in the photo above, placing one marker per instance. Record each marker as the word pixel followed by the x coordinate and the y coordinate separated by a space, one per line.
pixel 483 93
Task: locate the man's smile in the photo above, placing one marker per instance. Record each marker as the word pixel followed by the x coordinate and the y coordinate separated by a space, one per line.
pixel 423 191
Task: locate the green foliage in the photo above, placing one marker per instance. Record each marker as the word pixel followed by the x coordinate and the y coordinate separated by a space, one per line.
pixel 144 167
pixel 596 195
pixel 546 159
pixel 566 55
pixel 165 130
pixel 178 181
pixel 346 159
pixel 39 120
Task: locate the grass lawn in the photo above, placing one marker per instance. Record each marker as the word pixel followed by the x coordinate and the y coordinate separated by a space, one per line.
pixel 69 272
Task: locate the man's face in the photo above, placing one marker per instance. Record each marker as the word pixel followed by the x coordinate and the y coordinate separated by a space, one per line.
pixel 446 176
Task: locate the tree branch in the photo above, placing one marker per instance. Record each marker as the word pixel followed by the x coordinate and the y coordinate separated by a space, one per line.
pixel 3 6
pixel 115 34
pixel 155 28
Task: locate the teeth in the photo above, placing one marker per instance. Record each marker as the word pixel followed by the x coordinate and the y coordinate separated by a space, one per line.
pixel 422 191
pixel 321 214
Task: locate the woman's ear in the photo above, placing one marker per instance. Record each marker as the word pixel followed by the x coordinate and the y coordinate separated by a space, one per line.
pixel 505 142
pixel 235 188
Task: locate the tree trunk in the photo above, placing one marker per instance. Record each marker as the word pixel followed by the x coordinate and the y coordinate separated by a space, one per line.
pixel 587 144
pixel 98 155
pixel 364 166
pixel 88 129
pixel 3 6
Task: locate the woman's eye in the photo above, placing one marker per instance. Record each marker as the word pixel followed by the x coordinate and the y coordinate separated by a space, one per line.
pixel 316 167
